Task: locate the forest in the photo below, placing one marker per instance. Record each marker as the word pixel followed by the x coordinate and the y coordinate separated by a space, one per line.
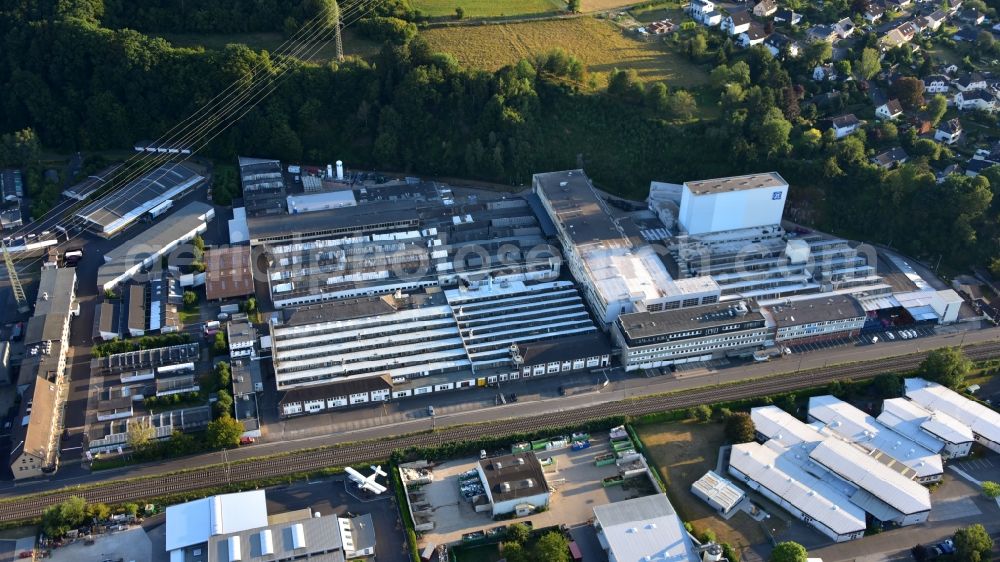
pixel 80 75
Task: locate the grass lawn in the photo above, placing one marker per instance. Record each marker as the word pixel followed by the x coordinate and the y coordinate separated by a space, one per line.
pixel 488 8
pixel 354 44
pixel 684 452
pixel 188 317
pixel 659 11
pixel 598 43
pixel 484 553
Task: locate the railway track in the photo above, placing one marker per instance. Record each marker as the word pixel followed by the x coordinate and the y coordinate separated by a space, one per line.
pixel 135 490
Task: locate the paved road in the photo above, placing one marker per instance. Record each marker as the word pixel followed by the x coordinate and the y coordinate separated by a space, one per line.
pixel 627 388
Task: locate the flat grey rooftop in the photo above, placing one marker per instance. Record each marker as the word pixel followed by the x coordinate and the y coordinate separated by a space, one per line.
pixel 648 324
pixel 736 183
pixel 577 206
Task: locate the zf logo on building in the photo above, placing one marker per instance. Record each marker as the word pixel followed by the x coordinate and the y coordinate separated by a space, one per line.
pixel 776 196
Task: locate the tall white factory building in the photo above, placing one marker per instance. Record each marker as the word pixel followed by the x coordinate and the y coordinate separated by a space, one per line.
pixel 734 203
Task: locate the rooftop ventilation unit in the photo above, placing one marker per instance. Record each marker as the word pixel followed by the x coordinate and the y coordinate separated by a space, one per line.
pixel 298 536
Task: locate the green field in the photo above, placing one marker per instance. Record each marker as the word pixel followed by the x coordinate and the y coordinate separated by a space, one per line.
pixel 598 43
pixel 509 8
pixel 354 44
pixel 488 8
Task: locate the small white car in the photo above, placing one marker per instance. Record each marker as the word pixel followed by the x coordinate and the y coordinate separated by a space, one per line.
pixel 890 335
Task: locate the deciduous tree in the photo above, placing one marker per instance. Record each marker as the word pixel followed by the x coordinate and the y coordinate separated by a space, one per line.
pixel 789 551
pixel 947 365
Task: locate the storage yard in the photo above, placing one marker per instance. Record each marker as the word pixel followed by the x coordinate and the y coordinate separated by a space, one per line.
pixel 452 507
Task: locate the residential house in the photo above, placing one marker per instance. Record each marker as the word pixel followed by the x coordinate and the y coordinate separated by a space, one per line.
pixel 976 165
pixel 971 16
pixel 845 125
pixel 971 81
pixel 765 8
pixel 936 84
pixel 874 12
pixel 950 70
pixel 704 12
pixel 844 28
pixel 736 23
pixel 949 131
pixel 712 19
pixel 824 72
pixel 778 43
pixel 897 5
pixel 966 34
pixel 784 15
pixel 936 19
pixel 755 35
pixel 891 158
pixel 996 28
pixel 889 110
pixel 822 33
pixel 894 38
pixel 982 100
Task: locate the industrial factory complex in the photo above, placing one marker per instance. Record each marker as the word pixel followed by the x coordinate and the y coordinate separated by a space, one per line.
pixel 390 289
pixel 326 289
pixel 340 288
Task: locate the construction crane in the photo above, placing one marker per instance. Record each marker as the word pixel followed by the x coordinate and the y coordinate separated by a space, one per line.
pixel 15 283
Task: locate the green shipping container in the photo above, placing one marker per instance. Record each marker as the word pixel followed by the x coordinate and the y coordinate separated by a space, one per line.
pixel 612 481
pixel 605 459
pixel 622 445
pixel 520 447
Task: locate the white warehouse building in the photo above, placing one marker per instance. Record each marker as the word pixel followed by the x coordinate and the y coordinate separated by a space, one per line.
pixel 984 422
pixel 841 474
pixel 733 203
pixel 853 425
pixel 936 431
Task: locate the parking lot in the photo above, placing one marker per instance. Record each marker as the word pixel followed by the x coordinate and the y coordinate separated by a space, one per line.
pixel 575 484
pixel 884 337
pixel 130 545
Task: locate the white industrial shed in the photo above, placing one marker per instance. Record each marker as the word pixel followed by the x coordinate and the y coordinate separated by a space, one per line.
pixel 768 470
pixel 192 523
pixel 642 529
pixel 936 431
pixel 853 425
pixel 942 304
pixel 982 421
pixel 771 422
pixel 147 247
pixel 718 492
pixel 879 486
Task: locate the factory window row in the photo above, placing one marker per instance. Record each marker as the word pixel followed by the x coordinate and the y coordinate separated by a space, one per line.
pixel 333 329
pixel 730 338
pixel 346 364
pixel 343 230
pixel 380 368
pixel 531 316
pixel 700 349
pixel 504 323
pixel 504 339
pixel 535 307
pixel 363 345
